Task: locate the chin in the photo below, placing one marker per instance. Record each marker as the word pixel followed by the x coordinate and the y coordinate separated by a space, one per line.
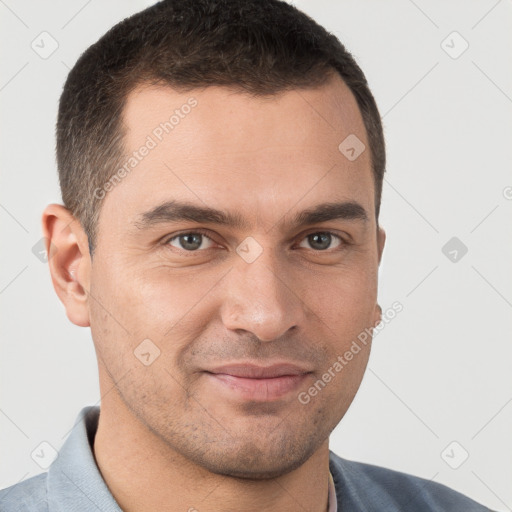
pixel 257 460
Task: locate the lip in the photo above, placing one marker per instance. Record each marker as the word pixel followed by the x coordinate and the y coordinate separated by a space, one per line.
pixel 254 371
pixel 250 382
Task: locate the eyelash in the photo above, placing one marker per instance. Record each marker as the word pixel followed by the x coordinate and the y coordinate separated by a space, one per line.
pixel 204 232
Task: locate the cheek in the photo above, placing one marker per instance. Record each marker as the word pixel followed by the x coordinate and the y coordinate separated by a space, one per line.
pixel 138 330
pixel 343 303
pixel 171 303
pixel 151 301
pixel 344 311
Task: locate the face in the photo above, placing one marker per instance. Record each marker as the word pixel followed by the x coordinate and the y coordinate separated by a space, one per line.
pixel 246 308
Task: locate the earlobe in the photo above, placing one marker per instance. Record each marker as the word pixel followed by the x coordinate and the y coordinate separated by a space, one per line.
pixel 69 261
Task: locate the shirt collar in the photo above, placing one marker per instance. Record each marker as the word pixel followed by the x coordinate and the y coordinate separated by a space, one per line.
pixel 332 503
pixel 74 481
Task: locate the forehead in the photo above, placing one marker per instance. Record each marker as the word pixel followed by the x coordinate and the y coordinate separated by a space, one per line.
pixel 258 156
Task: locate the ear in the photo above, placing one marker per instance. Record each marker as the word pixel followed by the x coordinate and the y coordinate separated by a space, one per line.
pixel 381 240
pixel 69 260
pixel 377 315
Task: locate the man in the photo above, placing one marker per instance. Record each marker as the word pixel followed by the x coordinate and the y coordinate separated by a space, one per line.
pixel 221 166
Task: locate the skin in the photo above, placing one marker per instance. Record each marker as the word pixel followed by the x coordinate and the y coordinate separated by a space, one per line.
pixel 168 439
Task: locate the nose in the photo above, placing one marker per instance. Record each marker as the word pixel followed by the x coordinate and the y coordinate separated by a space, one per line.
pixel 260 299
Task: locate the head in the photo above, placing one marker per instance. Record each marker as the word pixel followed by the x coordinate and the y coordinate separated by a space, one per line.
pixel 213 216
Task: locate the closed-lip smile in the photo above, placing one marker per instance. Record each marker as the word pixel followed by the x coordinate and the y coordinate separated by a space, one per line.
pixel 250 381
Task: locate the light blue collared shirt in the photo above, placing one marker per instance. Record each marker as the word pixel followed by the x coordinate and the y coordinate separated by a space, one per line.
pixel 74 483
pixel 332 503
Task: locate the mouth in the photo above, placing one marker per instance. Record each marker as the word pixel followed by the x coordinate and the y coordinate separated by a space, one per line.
pixel 250 382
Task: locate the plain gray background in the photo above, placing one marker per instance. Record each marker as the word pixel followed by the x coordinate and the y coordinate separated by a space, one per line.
pixel 438 387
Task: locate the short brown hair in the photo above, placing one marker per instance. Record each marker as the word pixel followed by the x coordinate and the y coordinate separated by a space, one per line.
pixel 261 47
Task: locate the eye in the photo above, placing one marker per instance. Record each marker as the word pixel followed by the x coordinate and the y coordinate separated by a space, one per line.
pixel 194 241
pixel 190 242
pixel 321 240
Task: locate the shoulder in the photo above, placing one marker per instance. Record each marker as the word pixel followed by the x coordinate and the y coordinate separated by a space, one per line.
pixel 372 487
pixel 26 496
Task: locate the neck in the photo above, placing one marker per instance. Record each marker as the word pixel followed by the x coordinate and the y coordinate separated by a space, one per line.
pixel 143 473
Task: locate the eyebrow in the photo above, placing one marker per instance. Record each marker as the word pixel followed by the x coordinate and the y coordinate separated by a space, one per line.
pixel 176 211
